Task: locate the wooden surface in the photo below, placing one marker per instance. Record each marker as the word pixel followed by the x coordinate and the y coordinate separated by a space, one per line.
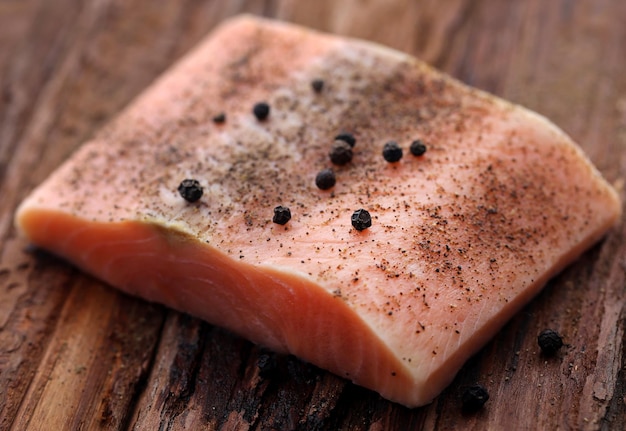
pixel 75 354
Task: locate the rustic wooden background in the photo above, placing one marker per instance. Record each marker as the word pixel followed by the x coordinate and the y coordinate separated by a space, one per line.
pixel 75 354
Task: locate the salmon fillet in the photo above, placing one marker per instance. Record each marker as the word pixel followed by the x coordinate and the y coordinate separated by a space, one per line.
pixel 461 237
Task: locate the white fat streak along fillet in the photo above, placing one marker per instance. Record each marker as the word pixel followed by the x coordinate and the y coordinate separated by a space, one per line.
pixel 461 239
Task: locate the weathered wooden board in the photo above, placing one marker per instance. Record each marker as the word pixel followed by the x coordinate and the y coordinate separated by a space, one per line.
pixel 75 354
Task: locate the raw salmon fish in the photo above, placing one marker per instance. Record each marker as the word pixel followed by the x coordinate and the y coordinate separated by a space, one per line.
pixel 461 237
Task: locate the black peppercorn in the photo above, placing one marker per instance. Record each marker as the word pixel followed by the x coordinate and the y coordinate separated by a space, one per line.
pixel 281 215
pixel 550 342
pixel 361 219
pixel 268 365
pixel 317 85
pixel 346 137
pixel 392 151
pixel 219 118
pixel 325 179
pixel 340 153
pixel 474 398
pixel 190 190
pixel 261 111
pixel 417 148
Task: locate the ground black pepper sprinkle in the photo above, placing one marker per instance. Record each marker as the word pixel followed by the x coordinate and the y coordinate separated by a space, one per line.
pixel 417 148
pixel 325 179
pixel 361 219
pixel 340 153
pixel 190 190
pixel 392 151
pixel 281 215
pixel 219 118
pixel 317 85
pixel 549 342
pixel 261 111
pixel 346 137
pixel 474 398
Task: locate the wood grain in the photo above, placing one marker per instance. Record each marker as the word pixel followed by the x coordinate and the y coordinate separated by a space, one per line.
pixel 75 354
